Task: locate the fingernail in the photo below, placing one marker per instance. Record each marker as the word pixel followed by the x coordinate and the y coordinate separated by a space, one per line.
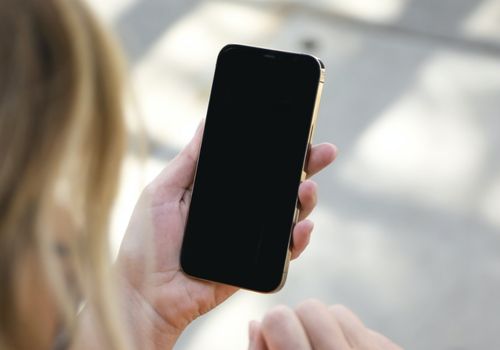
pixel 336 150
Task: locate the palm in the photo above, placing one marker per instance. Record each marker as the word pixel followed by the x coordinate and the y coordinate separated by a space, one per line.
pixel 195 297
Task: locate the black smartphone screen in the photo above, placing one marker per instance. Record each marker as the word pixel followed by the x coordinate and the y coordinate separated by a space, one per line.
pixel 249 169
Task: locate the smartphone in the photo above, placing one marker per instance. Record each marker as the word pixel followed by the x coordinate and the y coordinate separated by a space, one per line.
pixel 260 120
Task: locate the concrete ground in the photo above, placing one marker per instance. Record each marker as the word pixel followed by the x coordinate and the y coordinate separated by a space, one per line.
pixel 408 223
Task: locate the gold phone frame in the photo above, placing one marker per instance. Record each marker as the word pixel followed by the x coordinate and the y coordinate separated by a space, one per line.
pixel 303 176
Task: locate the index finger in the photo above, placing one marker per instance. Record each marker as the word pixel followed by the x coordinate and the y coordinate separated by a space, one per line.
pixel 256 338
pixel 320 156
pixel 323 330
pixel 282 330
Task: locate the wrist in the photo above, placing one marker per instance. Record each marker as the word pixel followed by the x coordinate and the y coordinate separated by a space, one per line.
pixel 144 327
pixel 147 326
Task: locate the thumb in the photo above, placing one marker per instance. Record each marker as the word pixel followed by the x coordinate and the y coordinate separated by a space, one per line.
pixel 178 176
pixel 256 340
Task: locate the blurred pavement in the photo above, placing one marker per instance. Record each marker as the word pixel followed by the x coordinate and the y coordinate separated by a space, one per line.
pixel 408 223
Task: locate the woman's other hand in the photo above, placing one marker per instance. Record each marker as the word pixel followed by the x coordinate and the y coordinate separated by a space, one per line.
pixel 313 326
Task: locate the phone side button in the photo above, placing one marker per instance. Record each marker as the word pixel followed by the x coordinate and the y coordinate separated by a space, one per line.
pixel 296 215
pixel 303 176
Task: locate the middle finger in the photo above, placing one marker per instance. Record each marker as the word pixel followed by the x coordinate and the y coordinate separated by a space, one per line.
pixel 307 198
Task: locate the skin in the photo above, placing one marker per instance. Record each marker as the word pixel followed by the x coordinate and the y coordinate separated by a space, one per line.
pixel 35 302
pixel 37 318
pixel 161 300
pixel 314 325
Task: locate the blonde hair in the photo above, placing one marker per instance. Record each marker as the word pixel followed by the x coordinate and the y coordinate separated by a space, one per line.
pixel 61 145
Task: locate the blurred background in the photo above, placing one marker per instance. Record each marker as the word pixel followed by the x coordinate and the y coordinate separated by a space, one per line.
pixel 408 223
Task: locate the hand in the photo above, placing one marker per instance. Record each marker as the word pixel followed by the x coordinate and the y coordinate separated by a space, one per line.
pixel 149 255
pixel 314 325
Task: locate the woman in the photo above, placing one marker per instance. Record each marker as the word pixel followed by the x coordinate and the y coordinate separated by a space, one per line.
pixel 61 144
